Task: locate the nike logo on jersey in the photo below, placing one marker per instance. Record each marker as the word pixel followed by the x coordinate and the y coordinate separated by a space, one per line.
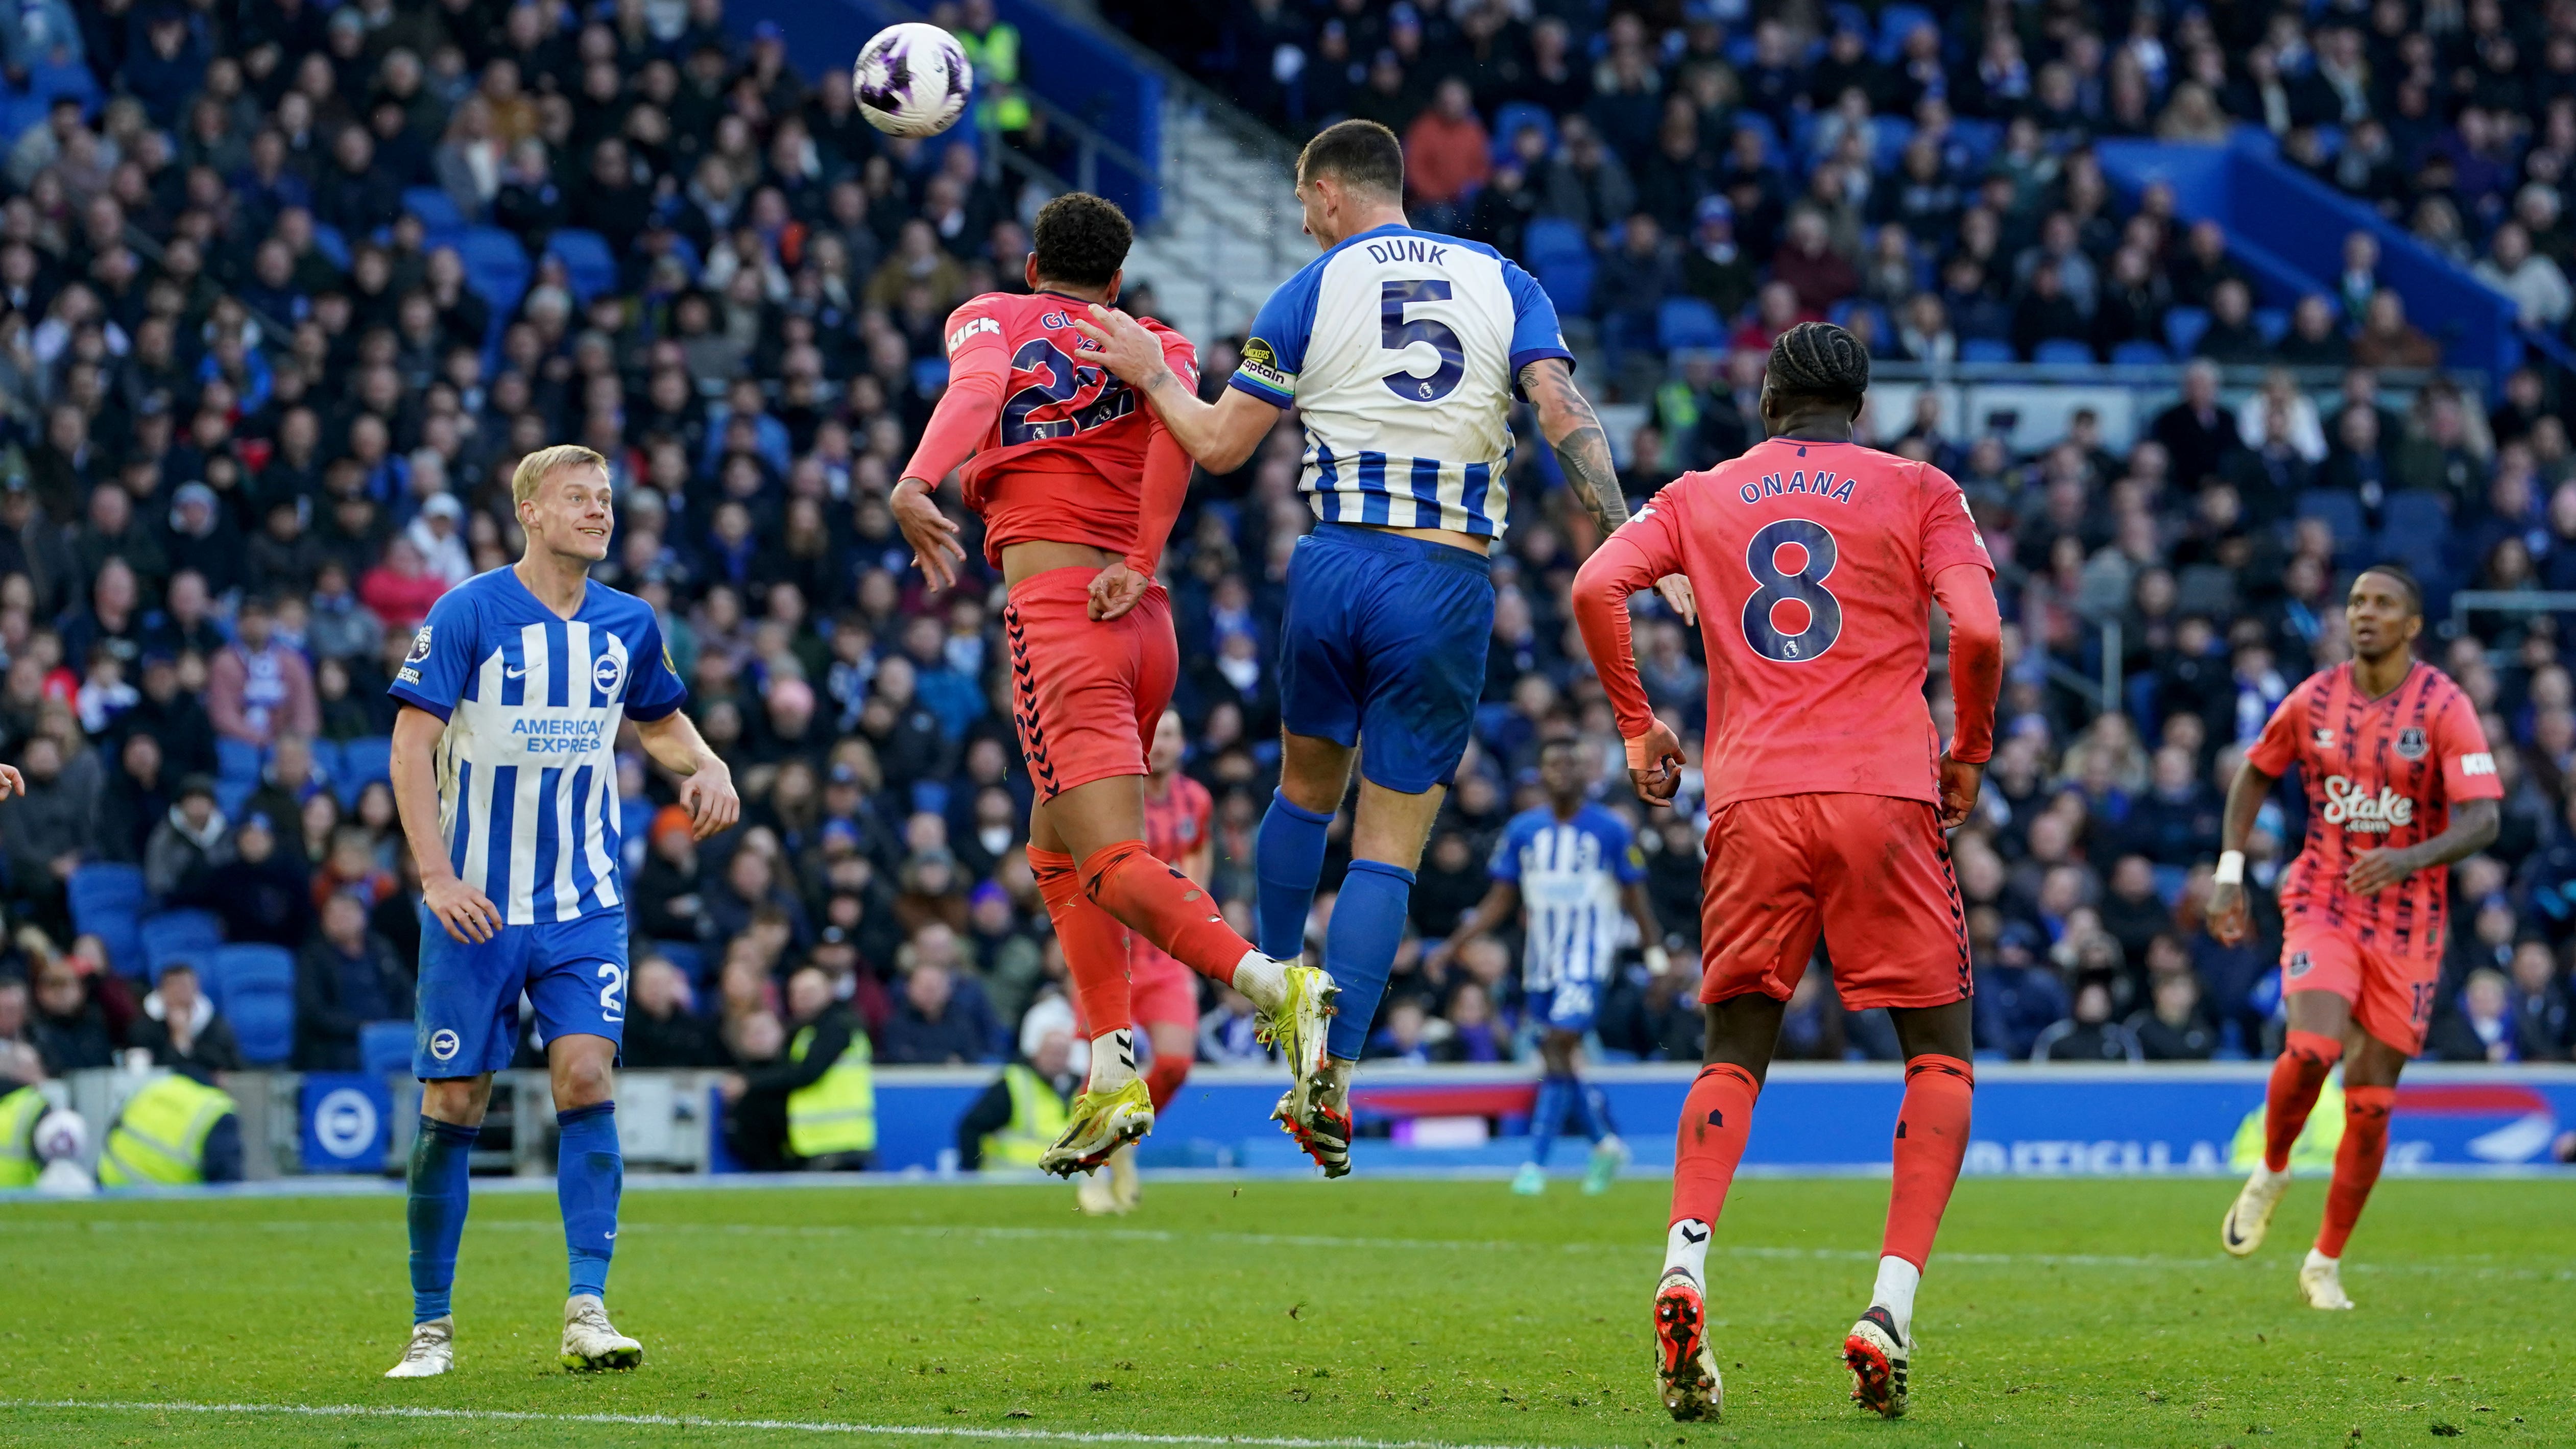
pixel 509 673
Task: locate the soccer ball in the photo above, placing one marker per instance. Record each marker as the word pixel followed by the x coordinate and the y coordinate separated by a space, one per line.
pixel 912 80
pixel 61 1134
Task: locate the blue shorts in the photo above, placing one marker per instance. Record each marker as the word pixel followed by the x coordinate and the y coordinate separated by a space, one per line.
pixel 1566 1006
pixel 468 1023
pixel 1383 646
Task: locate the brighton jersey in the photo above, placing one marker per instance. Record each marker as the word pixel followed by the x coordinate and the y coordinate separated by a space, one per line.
pixel 1398 349
pixel 1569 873
pixel 527 774
pixel 2379 773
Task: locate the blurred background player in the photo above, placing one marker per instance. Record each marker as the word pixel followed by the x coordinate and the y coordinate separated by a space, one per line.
pixel 1390 599
pixel 1818 561
pixel 1078 488
pixel 2400 783
pixel 505 776
pixel 1572 870
pixel 1162 993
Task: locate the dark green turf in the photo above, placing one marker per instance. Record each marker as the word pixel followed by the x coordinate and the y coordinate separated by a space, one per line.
pixel 2056 1312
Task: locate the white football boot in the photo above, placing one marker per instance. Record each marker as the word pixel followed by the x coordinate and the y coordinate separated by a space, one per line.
pixel 1876 1355
pixel 2321 1281
pixel 431 1352
pixel 588 1341
pixel 2250 1216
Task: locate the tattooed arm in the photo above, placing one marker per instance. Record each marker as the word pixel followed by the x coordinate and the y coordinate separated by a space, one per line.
pixel 1582 450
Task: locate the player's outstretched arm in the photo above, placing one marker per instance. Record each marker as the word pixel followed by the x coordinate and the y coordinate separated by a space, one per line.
pixel 2245 796
pixel 466 913
pixel 977 376
pixel 1573 432
pixel 1621 566
pixel 706 781
pixel 1221 434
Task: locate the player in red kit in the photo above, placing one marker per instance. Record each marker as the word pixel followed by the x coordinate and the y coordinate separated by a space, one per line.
pixel 1078 487
pixel 1162 992
pixel 1815 562
pixel 2399 784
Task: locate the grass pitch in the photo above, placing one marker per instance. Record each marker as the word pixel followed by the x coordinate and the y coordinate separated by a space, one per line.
pixel 2056 1312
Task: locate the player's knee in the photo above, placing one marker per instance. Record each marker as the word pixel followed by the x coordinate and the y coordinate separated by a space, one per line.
pixel 581 1080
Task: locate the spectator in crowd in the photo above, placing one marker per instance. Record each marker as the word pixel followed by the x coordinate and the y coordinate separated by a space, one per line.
pixel 260 890
pixel 69 1027
pixel 259 688
pixel 2172 1027
pixel 2088 1034
pixel 2481 1027
pixel 931 1025
pixel 190 839
pixel 181 1028
pixel 812 1105
pixel 1018 1117
pixel 345 977
pixel 664 1029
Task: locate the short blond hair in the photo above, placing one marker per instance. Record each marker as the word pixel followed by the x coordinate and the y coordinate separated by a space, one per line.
pixel 533 468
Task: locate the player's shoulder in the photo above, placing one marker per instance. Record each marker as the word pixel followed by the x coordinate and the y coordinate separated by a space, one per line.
pixel 996 313
pixel 1600 819
pixel 614 605
pixel 2440 689
pixel 1528 823
pixel 1192 795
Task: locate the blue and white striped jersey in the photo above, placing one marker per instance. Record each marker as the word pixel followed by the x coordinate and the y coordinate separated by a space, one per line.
pixel 527 769
pixel 1398 349
pixel 1570 873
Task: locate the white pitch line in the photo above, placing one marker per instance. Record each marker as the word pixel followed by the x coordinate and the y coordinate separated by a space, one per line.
pixel 677 1421
pixel 2474 1265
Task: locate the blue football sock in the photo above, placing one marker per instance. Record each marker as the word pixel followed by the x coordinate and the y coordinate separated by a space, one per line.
pixel 1287 855
pixel 440 1158
pixel 1596 1111
pixel 589 1173
pixel 1359 948
pixel 1547 1115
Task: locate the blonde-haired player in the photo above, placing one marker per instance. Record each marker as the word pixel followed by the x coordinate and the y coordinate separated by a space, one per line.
pixel 505 772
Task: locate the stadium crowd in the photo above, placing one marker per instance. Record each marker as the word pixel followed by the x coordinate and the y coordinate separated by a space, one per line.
pixel 264 377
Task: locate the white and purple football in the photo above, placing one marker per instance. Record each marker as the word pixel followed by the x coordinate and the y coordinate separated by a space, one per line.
pixel 912 80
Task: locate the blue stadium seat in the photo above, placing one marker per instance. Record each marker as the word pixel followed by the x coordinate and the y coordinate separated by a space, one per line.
pixel 1568 283
pixel 588 263
pixel 929 375
pixel 45 82
pixel 2341 512
pixel 384 1048
pixel 436 211
pixel 1552 239
pixel 685 252
pixel 333 246
pixel 326 758
pixel 2140 354
pixel 367 758
pixel 231 795
pixel 1889 136
pixel 496 267
pixel 18 116
pixel 235 760
pixel 1895 23
pixel 1513 117
pixel 691 960
pixel 179 935
pixel 2063 352
pixel 255 990
pixel 1981 138
pixel 2273 323
pixel 1688 322
pixel 2183 326
pixel 1761 125
pixel 929 797
pixel 1986 349
pixel 108 901
pixel 2415 518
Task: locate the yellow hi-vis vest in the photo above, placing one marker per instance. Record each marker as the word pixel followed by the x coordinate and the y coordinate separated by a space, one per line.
pixel 160 1137
pixel 18 1113
pixel 996 57
pixel 1037 1120
pixel 838 1113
